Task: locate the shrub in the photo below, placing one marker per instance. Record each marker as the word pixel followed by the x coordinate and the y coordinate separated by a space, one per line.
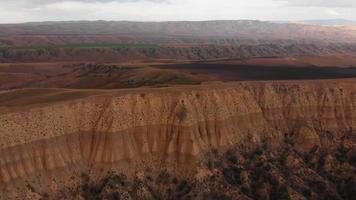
pixel 182 113
pixel 348 189
pixel 232 175
pixel 306 192
pixel 216 196
pixel 231 157
pixel 280 193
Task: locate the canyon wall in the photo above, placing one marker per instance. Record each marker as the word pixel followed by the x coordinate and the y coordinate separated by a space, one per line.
pixel 133 130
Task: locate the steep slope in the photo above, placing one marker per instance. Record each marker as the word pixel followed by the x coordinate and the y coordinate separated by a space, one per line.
pixel 49 143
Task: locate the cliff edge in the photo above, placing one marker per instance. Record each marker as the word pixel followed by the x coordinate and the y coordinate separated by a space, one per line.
pixel 46 143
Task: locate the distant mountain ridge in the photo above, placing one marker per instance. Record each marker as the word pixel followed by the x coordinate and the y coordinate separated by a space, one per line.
pixel 324 22
pixel 331 22
pixel 239 29
pixel 191 40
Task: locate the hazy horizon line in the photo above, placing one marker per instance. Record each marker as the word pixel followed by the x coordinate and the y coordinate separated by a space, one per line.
pixel 162 21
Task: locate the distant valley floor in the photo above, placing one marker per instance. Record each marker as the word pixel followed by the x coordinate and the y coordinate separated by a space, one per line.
pixel 166 73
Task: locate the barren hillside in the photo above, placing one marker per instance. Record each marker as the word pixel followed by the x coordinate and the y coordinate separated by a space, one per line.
pixel 50 137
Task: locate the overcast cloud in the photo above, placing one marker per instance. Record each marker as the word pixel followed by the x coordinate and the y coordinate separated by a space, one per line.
pixel 322 3
pixel 13 11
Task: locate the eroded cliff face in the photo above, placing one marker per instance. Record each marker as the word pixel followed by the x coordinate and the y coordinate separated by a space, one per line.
pixel 167 128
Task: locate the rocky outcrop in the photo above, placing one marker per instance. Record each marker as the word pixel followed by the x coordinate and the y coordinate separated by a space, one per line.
pixel 168 128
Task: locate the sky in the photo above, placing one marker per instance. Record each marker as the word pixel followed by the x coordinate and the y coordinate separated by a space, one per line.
pixel 17 11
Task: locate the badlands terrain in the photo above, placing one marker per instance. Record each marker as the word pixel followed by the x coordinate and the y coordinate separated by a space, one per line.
pixel 177 110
